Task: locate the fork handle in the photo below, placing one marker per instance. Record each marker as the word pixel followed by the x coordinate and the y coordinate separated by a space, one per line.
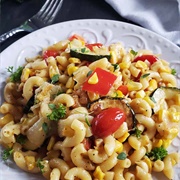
pixel 10 33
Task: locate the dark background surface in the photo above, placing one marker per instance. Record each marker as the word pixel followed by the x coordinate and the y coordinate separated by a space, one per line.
pixel 14 13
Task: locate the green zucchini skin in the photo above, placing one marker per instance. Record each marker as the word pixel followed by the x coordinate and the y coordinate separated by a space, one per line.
pixel 88 57
pixel 163 93
pixel 108 102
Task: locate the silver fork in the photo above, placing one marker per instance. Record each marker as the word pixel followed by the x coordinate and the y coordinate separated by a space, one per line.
pixel 43 18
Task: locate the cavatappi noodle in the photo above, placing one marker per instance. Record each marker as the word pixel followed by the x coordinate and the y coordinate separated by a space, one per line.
pixel 48 113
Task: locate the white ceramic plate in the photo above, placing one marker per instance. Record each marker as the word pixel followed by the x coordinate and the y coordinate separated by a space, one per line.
pixel 93 30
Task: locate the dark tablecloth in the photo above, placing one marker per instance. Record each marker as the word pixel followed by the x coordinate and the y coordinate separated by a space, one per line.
pixel 14 13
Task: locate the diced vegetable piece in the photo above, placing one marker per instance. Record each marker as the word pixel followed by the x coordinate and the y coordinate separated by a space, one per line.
pixel 105 82
pixel 167 93
pixel 107 102
pixel 107 122
pixel 150 58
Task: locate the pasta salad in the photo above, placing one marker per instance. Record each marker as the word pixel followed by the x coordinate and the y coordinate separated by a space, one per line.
pixel 90 111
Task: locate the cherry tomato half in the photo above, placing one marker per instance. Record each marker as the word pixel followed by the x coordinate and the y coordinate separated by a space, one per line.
pixel 107 122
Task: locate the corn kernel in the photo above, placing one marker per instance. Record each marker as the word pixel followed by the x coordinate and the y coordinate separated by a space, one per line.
pixel 118 93
pixel 173 133
pixel 166 143
pixel 118 146
pixel 141 64
pixel 175 117
pixel 134 86
pixel 6 119
pixel 30 162
pixel 25 74
pixel 140 94
pixel 98 173
pixel 124 65
pixel 93 79
pixel 113 59
pixel 158 143
pixel 71 69
pixel 51 143
pixel 152 85
pixel 162 114
pixel 149 101
pixel 124 137
pixel 74 60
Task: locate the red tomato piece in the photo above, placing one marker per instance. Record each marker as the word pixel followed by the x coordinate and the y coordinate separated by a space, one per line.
pixel 90 46
pixel 76 36
pixel 50 52
pixel 123 89
pixel 105 81
pixel 151 58
pixel 107 122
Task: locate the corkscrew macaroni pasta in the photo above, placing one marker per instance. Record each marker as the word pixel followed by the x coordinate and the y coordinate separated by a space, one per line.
pixel 48 113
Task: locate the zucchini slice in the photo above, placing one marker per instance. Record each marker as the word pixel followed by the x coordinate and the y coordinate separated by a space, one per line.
pixel 79 50
pixel 109 102
pixel 87 56
pixel 164 93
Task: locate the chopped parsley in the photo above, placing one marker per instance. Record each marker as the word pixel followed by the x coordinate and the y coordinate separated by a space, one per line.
pixel 145 75
pixel 122 156
pixel 45 127
pixel 137 132
pixel 15 76
pixel 40 165
pixel 55 79
pixel 84 50
pixel 57 113
pixel 7 153
pixel 21 139
pixel 157 153
pixel 133 52
pixel 116 66
pixel 173 71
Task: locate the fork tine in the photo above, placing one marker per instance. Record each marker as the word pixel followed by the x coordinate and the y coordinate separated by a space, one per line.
pixel 43 8
pixel 50 14
pixel 49 10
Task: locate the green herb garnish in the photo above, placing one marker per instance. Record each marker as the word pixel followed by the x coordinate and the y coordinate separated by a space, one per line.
pixel 15 76
pixel 116 66
pixel 84 50
pixel 55 79
pixel 133 52
pixel 145 75
pixel 122 156
pixel 40 165
pixel 45 127
pixel 173 71
pixel 157 153
pixel 57 113
pixel 137 132
pixel 21 139
pixel 7 153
